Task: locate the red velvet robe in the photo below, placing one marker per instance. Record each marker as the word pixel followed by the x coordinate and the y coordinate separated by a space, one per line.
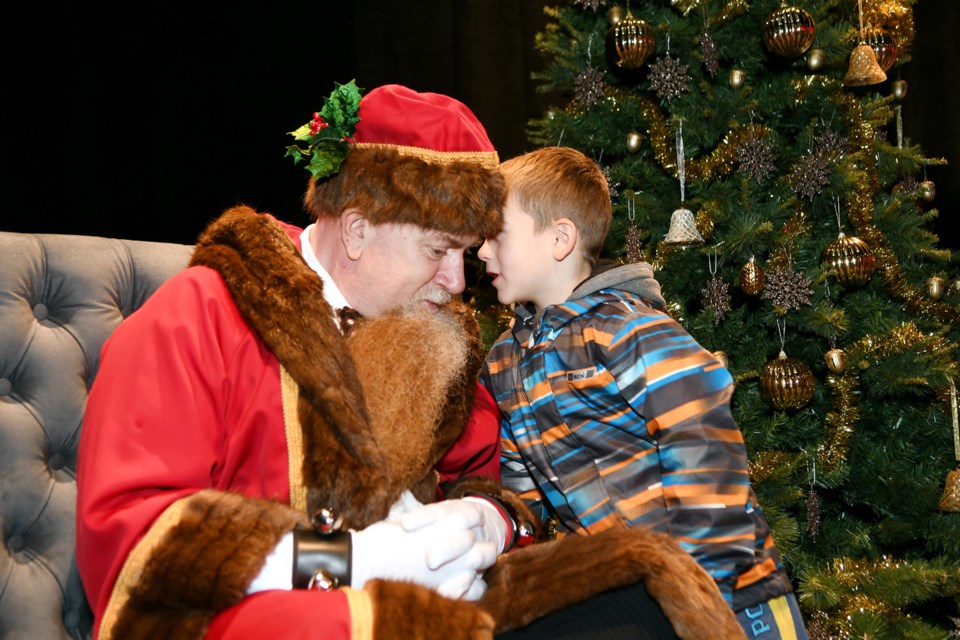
pixel 188 398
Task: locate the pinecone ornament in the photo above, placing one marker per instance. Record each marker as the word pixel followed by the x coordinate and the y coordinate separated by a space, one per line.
pixel 633 245
pixel 708 53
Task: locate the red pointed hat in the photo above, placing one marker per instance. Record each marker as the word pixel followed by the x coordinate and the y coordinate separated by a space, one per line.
pixel 431 126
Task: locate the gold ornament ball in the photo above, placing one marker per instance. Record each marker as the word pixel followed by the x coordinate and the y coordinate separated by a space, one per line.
pixel 721 357
pixel 631 42
pixel 898 88
pixel 851 260
pixel 836 360
pixel 633 141
pixel 883 45
pixel 737 77
pixel 786 383
pixel 789 31
pixel 927 190
pixel 614 15
pixel 751 278
pixel 815 59
pixel 936 287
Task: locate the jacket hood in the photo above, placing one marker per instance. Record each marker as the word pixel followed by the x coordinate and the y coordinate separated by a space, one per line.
pixel 636 278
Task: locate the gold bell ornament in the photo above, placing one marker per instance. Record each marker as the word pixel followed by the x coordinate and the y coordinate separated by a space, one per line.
pixel 950 500
pixel 683 228
pixel 631 41
pixel 864 69
pixel 789 31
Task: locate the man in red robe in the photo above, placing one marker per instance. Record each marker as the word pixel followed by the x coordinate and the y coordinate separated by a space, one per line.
pixel 229 482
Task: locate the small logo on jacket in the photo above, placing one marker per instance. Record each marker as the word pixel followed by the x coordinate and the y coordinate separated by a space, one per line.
pixel 582 374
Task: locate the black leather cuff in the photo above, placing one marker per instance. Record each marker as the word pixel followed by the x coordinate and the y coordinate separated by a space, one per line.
pixel 321 561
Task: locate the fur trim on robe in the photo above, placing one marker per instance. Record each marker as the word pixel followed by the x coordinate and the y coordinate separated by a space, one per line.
pixel 347 408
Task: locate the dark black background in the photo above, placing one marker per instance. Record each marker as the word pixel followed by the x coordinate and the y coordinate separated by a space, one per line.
pixel 145 120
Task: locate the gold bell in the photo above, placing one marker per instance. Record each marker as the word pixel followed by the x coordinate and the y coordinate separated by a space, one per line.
pixel 683 230
pixel 950 500
pixel 864 69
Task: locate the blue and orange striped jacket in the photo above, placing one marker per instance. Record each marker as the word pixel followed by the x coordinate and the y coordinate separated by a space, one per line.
pixel 614 415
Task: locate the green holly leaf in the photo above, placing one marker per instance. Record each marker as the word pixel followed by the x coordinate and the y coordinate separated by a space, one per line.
pixel 327 148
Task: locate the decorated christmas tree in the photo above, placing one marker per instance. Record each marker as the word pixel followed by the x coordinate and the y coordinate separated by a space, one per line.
pixel 757 159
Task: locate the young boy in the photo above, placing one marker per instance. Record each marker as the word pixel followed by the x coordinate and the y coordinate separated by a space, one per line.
pixel 612 414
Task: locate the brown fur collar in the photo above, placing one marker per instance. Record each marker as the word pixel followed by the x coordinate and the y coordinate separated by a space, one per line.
pixel 364 444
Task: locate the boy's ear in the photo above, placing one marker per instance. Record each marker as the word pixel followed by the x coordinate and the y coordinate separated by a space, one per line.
pixel 354 232
pixel 565 234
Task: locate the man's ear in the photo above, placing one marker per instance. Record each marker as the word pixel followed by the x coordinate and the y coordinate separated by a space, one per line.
pixel 565 234
pixel 354 232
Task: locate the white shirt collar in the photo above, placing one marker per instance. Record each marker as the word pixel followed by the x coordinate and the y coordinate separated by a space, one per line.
pixel 331 292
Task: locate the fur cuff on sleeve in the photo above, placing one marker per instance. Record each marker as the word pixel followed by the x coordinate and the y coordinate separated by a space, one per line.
pixel 198 560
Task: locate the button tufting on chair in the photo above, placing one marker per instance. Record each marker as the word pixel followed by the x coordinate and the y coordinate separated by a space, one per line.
pixel 60 297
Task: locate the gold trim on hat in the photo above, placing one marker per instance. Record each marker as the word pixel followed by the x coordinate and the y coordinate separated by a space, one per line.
pixel 486 159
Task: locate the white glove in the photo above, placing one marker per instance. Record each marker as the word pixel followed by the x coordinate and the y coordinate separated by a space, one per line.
pixel 405 503
pixel 491 526
pixel 445 555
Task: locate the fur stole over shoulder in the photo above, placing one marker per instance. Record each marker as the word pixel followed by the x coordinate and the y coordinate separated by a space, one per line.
pixel 377 410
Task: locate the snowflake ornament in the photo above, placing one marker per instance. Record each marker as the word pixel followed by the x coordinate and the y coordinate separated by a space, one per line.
pixel 756 157
pixel 811 175
pixel 590 4
pixel 787 289
pixel 669 77
pixel 588 87
pixel 716 296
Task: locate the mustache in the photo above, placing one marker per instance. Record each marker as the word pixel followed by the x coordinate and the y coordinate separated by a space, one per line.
pixel 436 295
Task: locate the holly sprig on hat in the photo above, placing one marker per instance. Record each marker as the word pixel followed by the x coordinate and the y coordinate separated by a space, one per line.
pixel 326 135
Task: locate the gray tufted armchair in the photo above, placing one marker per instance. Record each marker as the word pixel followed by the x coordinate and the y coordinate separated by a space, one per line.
pixel 60 297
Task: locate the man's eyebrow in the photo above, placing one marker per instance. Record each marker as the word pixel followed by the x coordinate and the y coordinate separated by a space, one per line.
pixel 451 240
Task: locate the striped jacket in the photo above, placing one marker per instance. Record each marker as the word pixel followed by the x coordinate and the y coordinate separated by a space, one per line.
pixel 614 415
